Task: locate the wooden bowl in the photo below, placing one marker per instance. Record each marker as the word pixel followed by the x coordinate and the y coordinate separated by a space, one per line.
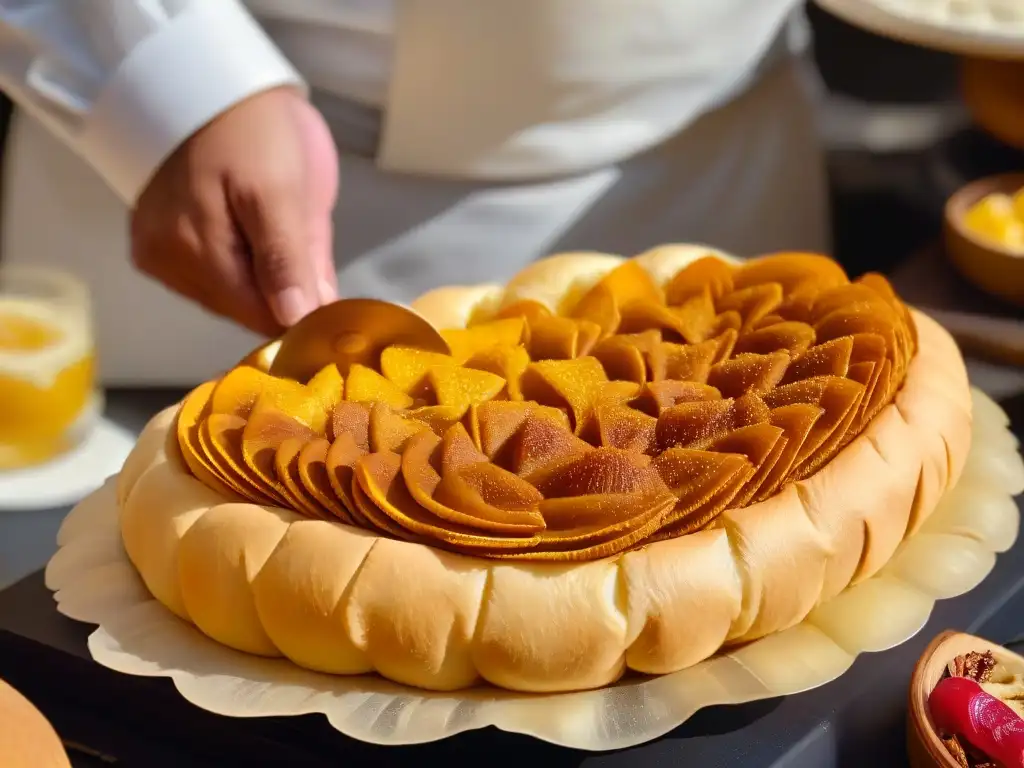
pixel 924 747
pixel 27 740
pixel 992 268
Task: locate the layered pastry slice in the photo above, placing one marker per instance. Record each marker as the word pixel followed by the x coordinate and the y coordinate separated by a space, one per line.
pixel 622 464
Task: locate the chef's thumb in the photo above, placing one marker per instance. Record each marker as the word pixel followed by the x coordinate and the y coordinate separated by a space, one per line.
pixel 285 269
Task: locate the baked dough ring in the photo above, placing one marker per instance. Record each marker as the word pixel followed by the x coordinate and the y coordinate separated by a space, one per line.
pixel 340 600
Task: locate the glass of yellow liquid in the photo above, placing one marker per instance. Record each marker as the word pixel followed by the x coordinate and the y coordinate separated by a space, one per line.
pixel 48 396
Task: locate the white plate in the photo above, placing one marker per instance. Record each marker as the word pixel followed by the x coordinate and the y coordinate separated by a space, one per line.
pixel 992 28
pixel 71 477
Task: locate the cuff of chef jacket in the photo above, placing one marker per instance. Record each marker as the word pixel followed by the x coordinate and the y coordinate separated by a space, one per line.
pixel 205 60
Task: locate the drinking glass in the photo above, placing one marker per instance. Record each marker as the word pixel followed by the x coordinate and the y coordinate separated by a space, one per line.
pixel 48 395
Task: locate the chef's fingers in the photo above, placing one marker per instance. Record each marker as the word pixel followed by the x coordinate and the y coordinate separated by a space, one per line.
pixel 232 289
pixel 238 295
pixel 320 181
pixel 274 221
pixel 321 245
pixel 201 257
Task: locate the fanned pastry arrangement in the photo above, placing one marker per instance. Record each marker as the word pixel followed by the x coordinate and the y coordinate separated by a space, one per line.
pixel 621 465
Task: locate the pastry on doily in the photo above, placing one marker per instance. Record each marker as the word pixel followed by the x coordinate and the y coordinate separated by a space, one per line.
pixel 624 464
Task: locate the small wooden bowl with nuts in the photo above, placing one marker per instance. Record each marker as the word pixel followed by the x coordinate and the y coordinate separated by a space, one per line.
pixel 998 671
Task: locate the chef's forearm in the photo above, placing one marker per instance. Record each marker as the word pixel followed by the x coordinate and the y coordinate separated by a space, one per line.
pixel 124 82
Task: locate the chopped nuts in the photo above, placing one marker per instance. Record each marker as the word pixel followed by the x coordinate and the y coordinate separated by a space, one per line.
pixel 974 666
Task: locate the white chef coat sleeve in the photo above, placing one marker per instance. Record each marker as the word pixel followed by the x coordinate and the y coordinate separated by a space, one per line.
pixel 125 82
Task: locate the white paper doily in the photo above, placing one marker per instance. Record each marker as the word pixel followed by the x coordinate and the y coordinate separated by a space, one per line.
pixel 992 28
pixel 67 479
pixel 952 553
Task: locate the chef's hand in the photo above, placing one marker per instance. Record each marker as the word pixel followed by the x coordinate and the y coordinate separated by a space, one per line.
pixel 238 219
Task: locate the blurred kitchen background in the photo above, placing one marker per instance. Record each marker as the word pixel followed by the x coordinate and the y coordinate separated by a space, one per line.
pixel 900 140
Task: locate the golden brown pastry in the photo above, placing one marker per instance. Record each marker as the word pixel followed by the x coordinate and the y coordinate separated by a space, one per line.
pixel 623 464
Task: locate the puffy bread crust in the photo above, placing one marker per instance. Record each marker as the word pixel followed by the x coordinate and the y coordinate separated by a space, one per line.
pixel 318 560
pixel 435 618
pixel 341 600
pixel 544 625
pixel 157 432
pixel 456 306
pixel 670 583
pixel 557 282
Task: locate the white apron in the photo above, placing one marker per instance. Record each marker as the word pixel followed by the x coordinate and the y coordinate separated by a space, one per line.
pixel 421 207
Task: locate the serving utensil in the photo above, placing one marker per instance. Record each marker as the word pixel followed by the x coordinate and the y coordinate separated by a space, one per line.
pixel 347 332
